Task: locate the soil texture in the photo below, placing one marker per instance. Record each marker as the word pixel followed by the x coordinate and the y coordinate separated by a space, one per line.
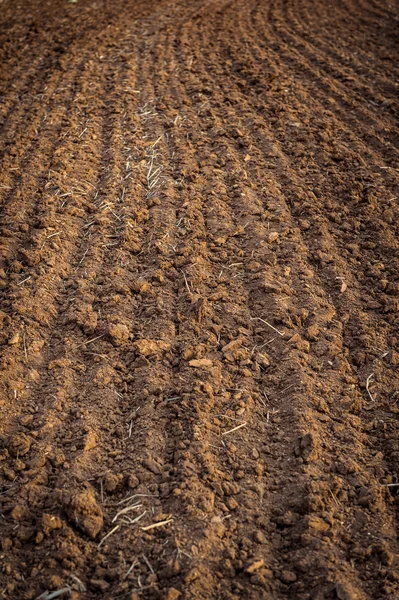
pixel 199 288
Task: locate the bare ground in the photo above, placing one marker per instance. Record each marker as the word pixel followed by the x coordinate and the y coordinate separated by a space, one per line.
pixel 199 283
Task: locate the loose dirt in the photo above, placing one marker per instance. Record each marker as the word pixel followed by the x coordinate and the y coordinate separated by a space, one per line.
pixel 199 282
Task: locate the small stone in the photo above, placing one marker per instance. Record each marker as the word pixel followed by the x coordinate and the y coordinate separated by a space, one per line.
pixel 201 363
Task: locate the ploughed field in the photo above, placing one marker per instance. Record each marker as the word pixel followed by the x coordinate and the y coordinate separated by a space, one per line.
pixel 199 282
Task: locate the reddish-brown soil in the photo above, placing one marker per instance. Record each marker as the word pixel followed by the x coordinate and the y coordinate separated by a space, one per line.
pixel 199 284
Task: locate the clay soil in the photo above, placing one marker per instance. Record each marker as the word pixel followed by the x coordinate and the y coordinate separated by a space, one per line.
pixel 199 284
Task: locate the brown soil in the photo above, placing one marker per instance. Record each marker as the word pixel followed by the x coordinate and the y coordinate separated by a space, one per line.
pixel 199 285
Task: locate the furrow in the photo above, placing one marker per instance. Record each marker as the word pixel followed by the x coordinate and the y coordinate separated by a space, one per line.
pixel 67 195
pixel 363 60
pixel 344 106
pixel 369 30
pixel 71 375
pixel 301 97
pixel 203 46
pixel 256 292
pixel 199 301
pixel 364 78
pixel 26 179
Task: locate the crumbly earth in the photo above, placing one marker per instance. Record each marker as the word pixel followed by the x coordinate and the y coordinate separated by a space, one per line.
pixel 199 283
